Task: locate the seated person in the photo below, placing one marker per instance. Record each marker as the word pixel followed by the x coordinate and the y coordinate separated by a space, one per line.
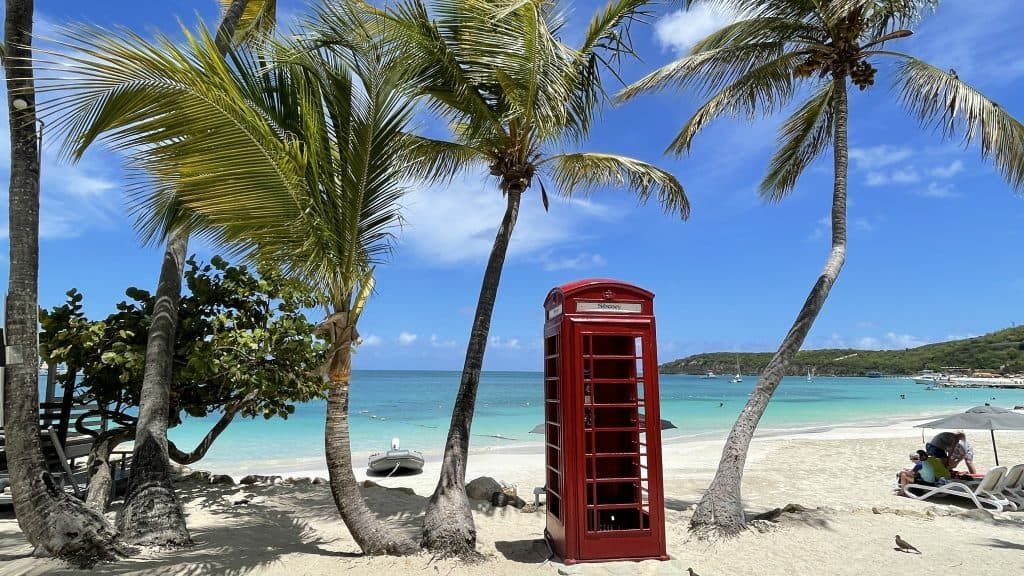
pixel 942 444
pixel 963 452
pixel 913 475
pixel 927 470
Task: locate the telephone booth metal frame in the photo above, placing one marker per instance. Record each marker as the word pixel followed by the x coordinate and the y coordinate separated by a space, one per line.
pixel 602 430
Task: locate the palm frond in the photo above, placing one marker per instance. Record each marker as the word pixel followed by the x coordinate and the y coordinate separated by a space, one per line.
pixel 176 111
pixel 802 138
pixel 585 172
pixel 940 99
pixel 761 30
pixel 765 89
pixel 257 22
pixel 742 9
pixel 440 160
pixel 606 42
pixel 433 53
pixel 706 70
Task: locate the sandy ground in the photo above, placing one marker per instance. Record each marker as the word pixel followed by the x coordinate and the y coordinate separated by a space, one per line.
pixel 844 476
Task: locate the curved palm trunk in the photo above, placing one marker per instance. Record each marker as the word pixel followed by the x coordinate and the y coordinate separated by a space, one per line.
pixel 151 513
pixel 101 474
pixel 448 526
pixel 228 25
pixel 372 536
pixel 721 508
pixel 230 411
pixel 51 521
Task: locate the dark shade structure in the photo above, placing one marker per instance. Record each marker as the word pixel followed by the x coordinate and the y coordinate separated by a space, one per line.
pixel 989 418
pixel 602 428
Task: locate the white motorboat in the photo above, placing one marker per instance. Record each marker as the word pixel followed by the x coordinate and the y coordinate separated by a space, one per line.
pixel 929 378
pixel 709 375
pixel 395 460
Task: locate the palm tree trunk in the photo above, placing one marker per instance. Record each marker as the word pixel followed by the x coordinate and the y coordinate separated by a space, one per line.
pixel 372 536
pixel 448 526
pixel 228 25
pixel 230 411
pixel 720 511
pixel 151 513
pixel 101 471
pixel 51 521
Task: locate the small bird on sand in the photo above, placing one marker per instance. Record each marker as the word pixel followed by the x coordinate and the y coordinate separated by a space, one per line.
pixel 905 546
pixel 692 573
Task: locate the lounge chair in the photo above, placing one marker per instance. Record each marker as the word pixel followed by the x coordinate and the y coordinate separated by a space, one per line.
pixel 1012 486
pixel 984 495
pixel 60 420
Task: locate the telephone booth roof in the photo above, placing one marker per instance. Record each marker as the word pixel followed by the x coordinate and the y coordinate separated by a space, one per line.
pixel 579 287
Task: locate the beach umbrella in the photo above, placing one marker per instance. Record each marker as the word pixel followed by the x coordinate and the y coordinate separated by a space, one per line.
pixel 665 425
pixel 989 418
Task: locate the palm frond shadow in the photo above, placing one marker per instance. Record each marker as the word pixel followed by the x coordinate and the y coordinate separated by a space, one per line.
pixel 1000 543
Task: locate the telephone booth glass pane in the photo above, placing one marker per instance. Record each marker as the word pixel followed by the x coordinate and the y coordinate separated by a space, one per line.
pixel 614 435
pixel 553 428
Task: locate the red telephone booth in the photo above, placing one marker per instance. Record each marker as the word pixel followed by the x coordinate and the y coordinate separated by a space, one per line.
pixel 605 499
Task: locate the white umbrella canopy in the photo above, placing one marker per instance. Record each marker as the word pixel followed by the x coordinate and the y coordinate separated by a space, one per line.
pixel 989 418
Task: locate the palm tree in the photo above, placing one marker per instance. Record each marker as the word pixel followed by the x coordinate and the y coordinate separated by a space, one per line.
pixel 51 521
pixel 298 164
pixel 515 96
pixel 758 65
pixel 151 512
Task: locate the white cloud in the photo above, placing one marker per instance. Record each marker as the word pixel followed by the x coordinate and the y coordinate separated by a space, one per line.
pixel 900 176
pixel 437 342
pixel 863 224
pixel 889 341
pixel 457 224
pixel 508 344
pixel 372 340
pixel 936 190
pixel 868 343
pixel 907 176
pixel 949 171
pixel 74 198
pixel 877 157
pixel 904 340
pixel 820 227
pixel 681 29
pixel 582 261
pixel 876 179
pixel 975 38
pixel 407 338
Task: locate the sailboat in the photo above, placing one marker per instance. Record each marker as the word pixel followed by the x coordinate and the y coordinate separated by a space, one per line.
pixel 738 378
pixel 810 375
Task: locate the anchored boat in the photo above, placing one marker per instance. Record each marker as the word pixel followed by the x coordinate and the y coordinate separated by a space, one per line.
pixel 396 460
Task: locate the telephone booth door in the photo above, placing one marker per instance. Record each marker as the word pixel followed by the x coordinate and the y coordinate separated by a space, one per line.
pixel 603 433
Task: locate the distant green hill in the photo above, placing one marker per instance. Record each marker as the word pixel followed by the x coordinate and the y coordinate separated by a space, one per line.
pixel 999 352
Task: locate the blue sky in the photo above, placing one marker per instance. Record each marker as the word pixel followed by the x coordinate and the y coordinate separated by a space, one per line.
pixel 935 235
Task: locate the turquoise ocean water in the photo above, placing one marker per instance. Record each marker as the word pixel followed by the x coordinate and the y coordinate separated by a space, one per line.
pixel 416 407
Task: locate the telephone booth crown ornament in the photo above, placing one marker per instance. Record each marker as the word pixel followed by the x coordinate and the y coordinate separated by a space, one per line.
pixel 602 426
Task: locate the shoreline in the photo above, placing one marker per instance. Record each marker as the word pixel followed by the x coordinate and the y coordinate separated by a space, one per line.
pixel 868 429
pixel 842 478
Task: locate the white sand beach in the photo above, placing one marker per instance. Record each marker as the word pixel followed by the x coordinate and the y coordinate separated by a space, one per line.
pixel 845 476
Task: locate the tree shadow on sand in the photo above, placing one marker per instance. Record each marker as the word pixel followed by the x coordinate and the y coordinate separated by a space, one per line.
pixel 532 551
pixel 245 528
